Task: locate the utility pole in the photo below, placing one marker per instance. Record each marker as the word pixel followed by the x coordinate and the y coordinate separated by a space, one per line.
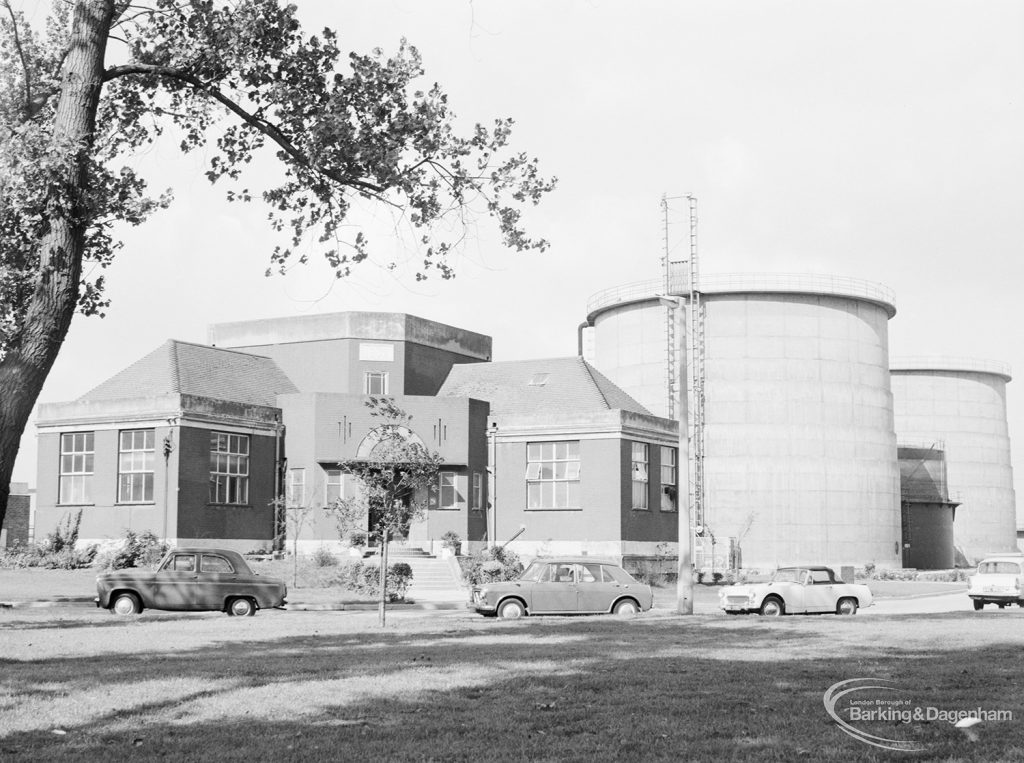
pixel 685 347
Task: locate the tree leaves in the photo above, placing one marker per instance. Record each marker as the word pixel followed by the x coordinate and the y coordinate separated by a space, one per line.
pixel 236 80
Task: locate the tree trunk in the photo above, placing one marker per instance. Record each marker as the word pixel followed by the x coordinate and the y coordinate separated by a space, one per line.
pixel 55 296
pixel 386 536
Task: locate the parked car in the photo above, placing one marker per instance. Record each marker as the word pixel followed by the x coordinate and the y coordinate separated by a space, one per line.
pixel 564 586
pixel 997 581
pixel 796 591
pixel 191 579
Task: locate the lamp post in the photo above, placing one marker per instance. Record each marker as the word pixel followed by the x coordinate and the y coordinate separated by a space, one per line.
pixel 684 580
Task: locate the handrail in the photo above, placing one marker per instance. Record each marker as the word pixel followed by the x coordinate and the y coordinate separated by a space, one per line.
pixel 946 363
pixel 724 283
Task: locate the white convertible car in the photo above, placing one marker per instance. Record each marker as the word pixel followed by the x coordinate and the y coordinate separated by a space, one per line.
pixel 796 591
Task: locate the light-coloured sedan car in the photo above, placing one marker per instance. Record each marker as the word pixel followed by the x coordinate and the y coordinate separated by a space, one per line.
pixel 796 591
pixel 997 581
pixel 191 579
pixel 564 586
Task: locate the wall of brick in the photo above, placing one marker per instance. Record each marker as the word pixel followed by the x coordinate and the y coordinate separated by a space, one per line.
pixel 198 519
pixel 16 521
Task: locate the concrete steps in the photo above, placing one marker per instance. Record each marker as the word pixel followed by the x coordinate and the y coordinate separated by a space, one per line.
pixel 432 578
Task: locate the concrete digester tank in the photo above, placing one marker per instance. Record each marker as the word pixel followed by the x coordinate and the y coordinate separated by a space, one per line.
pixel 962 403
pixel 800 451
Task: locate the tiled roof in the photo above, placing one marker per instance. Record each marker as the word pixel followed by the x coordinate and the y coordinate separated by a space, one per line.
pixel 524 387
pixel 195 369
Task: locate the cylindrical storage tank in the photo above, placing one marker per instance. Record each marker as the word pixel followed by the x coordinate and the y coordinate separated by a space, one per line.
pixel 800 451
pixel 962 404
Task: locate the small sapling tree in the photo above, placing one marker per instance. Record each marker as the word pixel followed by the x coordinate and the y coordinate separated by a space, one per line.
pixel 395 482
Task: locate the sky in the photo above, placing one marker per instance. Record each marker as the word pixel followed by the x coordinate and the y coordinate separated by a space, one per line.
pixel 879 140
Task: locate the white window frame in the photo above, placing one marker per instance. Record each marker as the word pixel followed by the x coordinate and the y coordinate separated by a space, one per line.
pixel 135 463
pixel 295 488
pixel 76 468
pixel 333 478
pixel 382 377
pixel 478 491
pixel 640 453
pixel 553 475
pixel 668 465
pixel 447 484
pixel 229 469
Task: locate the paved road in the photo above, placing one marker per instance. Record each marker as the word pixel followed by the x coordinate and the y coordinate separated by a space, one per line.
pixel 919 605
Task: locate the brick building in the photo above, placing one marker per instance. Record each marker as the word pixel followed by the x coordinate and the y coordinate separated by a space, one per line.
pixel 195 442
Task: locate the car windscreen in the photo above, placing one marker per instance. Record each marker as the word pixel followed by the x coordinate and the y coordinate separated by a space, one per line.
pixel 788 576
pixel 532 574
pixel 999 568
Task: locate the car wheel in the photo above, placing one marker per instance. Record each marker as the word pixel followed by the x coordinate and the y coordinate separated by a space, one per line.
pixel 772 608
pixel 625 607
pixel 126 604
pixel 1001 605
pixel 511 609
pixel 846 607
pixel 242 607
pixel 978 605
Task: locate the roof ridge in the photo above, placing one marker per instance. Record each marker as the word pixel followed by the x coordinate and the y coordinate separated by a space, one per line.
pixel 215 348
pixel 175 374
pixel 594 382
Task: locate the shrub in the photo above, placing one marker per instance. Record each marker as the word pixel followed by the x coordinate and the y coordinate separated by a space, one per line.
pixel 323 557
pixel 136 550
pixel 364 579
pixel 716 577
pixel 65 535
pixel 56 552
pixel 491 566
pixel 451 539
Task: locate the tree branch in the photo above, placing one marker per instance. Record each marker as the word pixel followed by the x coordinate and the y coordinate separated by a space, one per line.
pixel 257 123
pixel 21 55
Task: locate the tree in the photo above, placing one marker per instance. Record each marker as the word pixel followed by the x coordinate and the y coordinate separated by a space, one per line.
pixel 395 481
pixel 68 119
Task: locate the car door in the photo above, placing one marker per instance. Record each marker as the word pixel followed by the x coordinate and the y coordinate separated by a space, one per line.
pixel 820 592
pixel 596 590
pixel 174 584
pixel 217 579
pixel 556 591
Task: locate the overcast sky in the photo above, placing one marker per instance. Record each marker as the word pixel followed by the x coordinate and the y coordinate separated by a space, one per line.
pixel 879 140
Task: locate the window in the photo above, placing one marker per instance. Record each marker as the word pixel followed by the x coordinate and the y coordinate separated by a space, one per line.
pixel 77 451
pixel 229 468
pixel 333 486
pixel 553 475
pixel 668 466
pixel 448 496
pixel 183 563
pixel 376 382
pixel 210 563
pixel 669 490
pixel 295 489
pixel 135 459
pixel 639 472
pixel 478 491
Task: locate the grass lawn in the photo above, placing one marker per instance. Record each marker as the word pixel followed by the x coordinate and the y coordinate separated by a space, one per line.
pixel 82 685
